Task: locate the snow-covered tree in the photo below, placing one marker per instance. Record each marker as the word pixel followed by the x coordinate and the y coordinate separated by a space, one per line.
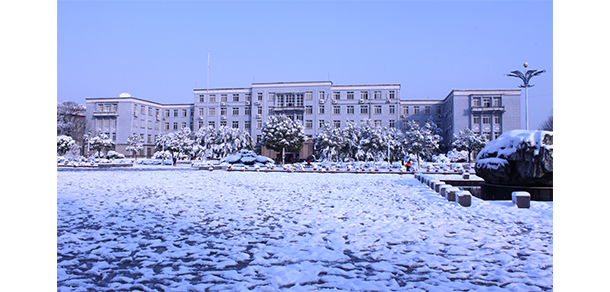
pixel 176 144
pixel 280 133
pixel 70 118
pixel 99 143
pixel 467 140
pixel 65 144
pixel 547 125
pixel 329 142
pixel 216 144
pixel 422 141
pixel 134 144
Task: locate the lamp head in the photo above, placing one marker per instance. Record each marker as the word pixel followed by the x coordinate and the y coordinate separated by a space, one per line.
pixel 525 64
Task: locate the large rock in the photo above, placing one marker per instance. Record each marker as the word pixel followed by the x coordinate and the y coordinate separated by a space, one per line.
pixel 519 157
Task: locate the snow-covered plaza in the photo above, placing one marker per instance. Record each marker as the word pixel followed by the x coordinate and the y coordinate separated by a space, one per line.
pixel 194 230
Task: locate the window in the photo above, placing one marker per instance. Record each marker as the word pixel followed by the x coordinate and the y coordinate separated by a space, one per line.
pixel 223 111
pixel 142 124
pixel 476 101
pixel 100 108
pixel 350 95
pixel 377 123
pixel 486 102
pixel 497 101
pixel 336 109
pixel 392 94
pixel 166 127
pixel 175 126
pixel 427 110
pixel 392 124
pixel 308 109
pixel 223 98
pixel 235 97
pixel 212 98
pixel 167 113
pixel 142 109
pixel 486 120
pixel 321 123
pixel 156 112
pixel 270 96
pixel 149 125
pixel 150 111
pixel 212 124
pixel 392 109
pixel 259 138
pixel 476 120
pixel 405 110
pixel 350 109
pixel 248 97
pixel 438 109
pixel 321 109
pixel 497 120
pixel 270 110
pixel 260 96
pixel 321 94
pixel 336 95
pixel 308 124
pixel 259 124
pixel 248 111
pixel 184 113
pixel 247 125
pixel 114 107
pixel 157 125
pixel 377 95
pixel 337 123
pixel 416 110
pixel 183 125
pixel 201 98
pixel 223 123
pixel 236 111
pixel 201 111
pixel 200 124
pixel 308 95
pixel 175 113
pixel 299 117
pixel 364 109
pixel 377 109
pixel 212 111
pixel 299 100
pixel 259 110
pixel 364 95
pixel 235 125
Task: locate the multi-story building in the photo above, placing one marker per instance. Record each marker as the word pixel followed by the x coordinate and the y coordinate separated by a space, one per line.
pixel 489 112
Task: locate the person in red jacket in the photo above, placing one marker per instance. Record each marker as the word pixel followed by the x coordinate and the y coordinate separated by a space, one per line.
pixel 409 165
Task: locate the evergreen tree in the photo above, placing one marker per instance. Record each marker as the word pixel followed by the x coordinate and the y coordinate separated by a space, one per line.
pixel 134 144
pixel 65 144
pixel 422 141
pixel 99 143
pixel 280 133
pixel 469 141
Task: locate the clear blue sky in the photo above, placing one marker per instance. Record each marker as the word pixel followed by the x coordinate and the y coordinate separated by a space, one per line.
pixel 157 50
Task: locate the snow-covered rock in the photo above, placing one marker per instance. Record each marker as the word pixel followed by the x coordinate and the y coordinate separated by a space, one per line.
pixel 518 157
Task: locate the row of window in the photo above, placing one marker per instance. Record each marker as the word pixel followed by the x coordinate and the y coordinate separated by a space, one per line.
pixel 350 109
pixel 271 96
pixel 486 119
pixel 478 101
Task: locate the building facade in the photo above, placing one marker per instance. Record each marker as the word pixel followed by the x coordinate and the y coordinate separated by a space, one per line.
pixel 488 112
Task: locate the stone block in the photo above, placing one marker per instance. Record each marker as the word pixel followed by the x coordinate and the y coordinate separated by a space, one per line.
pixel 443 190
pixel 432 182
pixel 451 193
pixel 437 186
pixel 515 193
pixel 464 198
pixel 466 175
pixel 522 199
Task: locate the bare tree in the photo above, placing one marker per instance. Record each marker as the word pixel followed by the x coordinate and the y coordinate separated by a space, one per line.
pixel 548 124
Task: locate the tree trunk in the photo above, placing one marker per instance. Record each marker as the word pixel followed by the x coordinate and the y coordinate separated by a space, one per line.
pixel 283 154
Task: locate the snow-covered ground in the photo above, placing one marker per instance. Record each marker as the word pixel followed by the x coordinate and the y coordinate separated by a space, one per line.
pixel 192 230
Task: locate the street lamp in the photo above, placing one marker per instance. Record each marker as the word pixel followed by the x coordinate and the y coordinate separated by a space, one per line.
pixel 526 84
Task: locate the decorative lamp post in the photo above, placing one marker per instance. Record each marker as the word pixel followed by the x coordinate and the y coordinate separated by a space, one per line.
pixel 526 84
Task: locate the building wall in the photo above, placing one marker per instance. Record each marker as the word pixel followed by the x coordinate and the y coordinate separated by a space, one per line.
pixel 312 103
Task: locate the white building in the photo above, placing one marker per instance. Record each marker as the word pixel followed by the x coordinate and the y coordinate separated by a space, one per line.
pixel 489 112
